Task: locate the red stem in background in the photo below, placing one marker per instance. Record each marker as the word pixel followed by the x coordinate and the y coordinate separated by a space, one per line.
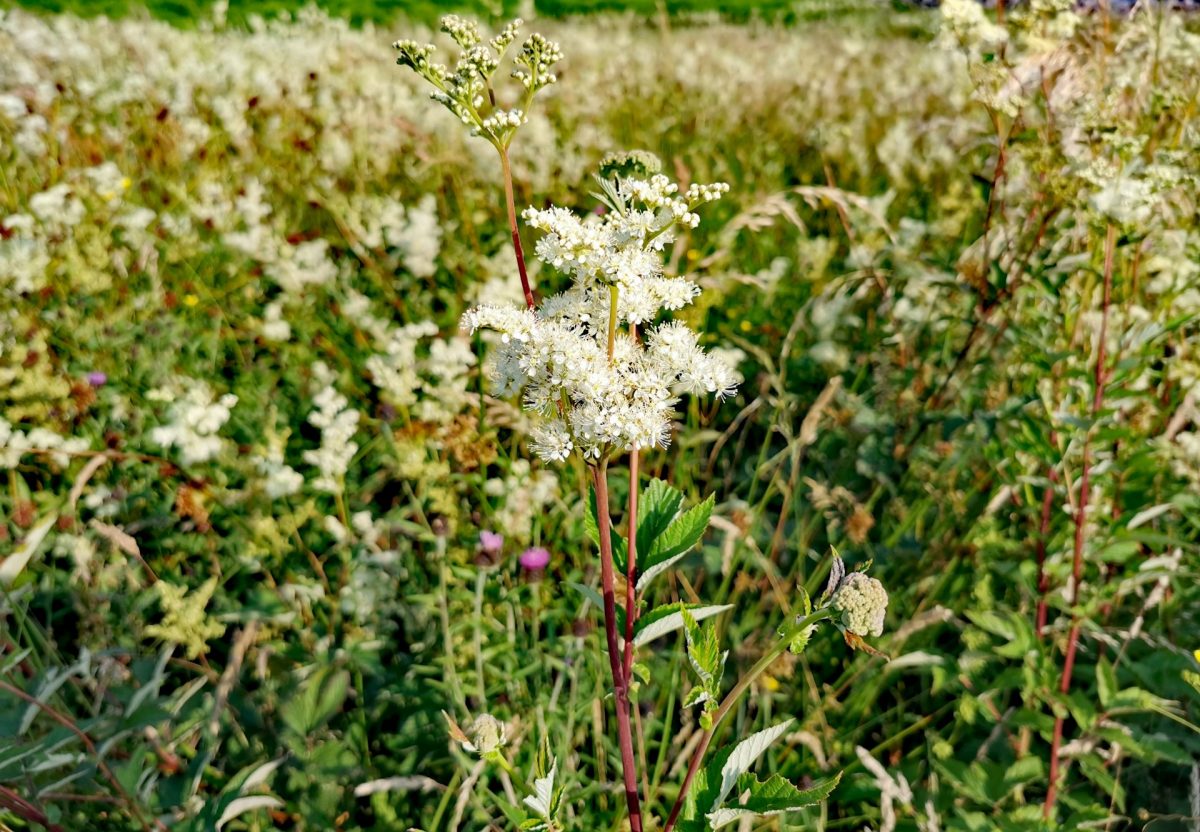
pixel 620 684
pixel 510 204
pixel 1043 580
pixel 1064 686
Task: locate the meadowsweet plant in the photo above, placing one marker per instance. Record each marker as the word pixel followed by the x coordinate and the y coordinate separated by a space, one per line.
pixel 600 369
pixel 469 94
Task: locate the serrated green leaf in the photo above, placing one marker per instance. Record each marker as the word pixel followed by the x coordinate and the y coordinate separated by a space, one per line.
pixel 680 535
pixel 742 757
pixel 659 504
pixel 704 652
pixel 773 797
pixel 319 699
pixel 669 618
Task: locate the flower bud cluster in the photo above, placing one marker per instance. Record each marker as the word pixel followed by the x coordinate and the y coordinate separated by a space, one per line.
pixel 862 601
pixel 537 57
pixel 466 92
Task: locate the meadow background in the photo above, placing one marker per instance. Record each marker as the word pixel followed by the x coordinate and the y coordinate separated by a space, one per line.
pixel 246 454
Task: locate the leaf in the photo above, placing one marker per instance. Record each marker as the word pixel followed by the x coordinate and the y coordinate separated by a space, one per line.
pixel 682 534
pixel 597 599
pixel 542 799
pixel 247 804
pixel 837 571
pixel 15 563
pixel 659 505
pixel 743 756
pixel 704 652
pixel 322 697
pixel 669 618
pixel 774 797
pixel 1106 682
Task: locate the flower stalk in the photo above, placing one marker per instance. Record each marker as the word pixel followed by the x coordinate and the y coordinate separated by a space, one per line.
pixel 620 682
pixel 732 698
pixel 511 208
pixel 1064 687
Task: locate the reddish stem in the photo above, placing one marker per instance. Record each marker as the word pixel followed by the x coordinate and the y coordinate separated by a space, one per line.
pixel 510 204
pixel 1064 686
pixel 620 683
pixel 1043 580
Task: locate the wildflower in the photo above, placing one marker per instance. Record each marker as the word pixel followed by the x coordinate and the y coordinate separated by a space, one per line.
pixel 184 621
pixel 490 543
pixel 97 378
pixel 195 419
pixel 862 601
pixel 338 425
pixel 599 395
pixel 534 559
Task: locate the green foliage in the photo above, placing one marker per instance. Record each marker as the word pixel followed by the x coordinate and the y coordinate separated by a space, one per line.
pixel 918 330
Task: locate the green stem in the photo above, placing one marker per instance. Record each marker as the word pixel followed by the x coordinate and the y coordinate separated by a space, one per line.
pixel 731 699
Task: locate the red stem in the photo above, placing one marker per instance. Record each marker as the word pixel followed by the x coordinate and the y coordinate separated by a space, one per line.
pixel 1064 686
pixel 1043 580
pixel 510 204
pixel 620 683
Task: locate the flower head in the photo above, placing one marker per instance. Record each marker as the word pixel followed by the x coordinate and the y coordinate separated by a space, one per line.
pixel 534 559
pixel 862 601
pixel 490 543
pixel 597 390
pixel 488 735
pixel 97 378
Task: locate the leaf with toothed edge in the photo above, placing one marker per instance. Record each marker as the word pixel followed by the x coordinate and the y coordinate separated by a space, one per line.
pixel 669 618
pixel 773 797
pixel 659 505
pixel 676 539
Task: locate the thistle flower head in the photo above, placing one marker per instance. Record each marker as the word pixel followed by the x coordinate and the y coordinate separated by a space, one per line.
pixel 534 559
pixel 490 542
pixel 862 601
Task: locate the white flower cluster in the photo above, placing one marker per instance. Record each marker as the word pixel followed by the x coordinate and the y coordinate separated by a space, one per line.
pixel 862 601
pixel 523 495
pixel 436 385
pixel 593 397
pixel 338 425
pixel 966 25
pixel 278 478
pixel 195 419
pixel 14 444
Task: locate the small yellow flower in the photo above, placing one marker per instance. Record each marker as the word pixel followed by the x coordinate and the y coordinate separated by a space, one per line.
pixel 126 183
pixel 190 300
pixel 746 326
pixel 770 683
pixel 693 254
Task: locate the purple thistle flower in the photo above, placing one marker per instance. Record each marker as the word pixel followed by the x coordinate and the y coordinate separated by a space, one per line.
pixel 535 559
pixel 490 542
pixel 97 378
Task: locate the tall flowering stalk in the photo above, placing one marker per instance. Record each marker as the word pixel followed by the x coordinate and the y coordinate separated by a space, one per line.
pixel 600 369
